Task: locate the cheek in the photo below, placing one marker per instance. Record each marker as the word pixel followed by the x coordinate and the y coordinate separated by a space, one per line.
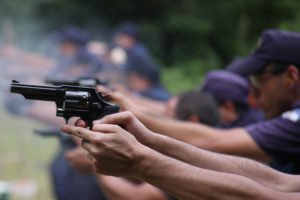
pixel 272 98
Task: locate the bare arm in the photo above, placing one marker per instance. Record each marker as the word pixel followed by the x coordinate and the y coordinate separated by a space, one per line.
pixel 231 141
pixel 116 188
pixel 234 141
pixel 116 152
pixel 205 159
pixel 225 163
pixel 125 99
pixel 196 183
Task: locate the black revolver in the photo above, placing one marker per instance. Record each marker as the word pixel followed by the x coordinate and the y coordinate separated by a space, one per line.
pixel 80 81
pixel 71 101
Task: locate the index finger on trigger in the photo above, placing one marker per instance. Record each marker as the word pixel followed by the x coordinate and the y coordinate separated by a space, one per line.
pixel 78 131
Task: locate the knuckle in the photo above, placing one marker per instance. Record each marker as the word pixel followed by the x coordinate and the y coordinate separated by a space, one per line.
pixel 95 153
pixel 107 119
pixel 97 139
pixel 80 131
pixel 128 115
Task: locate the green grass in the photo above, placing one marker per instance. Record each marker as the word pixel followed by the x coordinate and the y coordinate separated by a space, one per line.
pixel 24 155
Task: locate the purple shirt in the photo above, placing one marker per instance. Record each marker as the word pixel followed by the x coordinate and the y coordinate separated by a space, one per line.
pixel 280 138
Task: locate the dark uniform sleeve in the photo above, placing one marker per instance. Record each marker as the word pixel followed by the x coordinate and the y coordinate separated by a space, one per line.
pixel 280 135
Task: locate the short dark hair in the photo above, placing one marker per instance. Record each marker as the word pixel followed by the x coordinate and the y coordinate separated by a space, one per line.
pixel 198 103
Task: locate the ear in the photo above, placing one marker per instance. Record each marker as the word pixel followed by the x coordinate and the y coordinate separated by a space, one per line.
pixel 292 75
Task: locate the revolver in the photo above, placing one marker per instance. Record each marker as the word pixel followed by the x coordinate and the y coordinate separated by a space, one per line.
pixel 71 101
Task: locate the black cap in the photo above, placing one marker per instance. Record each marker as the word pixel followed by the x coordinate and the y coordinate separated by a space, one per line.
pixel 72 34
pixel 225 85
pixel 128 28
pixel 276 45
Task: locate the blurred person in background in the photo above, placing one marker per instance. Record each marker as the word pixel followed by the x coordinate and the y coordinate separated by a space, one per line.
pixel 126 37
pixel 73 55
pixel 144 79
pixel 198 107
pixel 274 68
pixel 73 61
pixel 231 92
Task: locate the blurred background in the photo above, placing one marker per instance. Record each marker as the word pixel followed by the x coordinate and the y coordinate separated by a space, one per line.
pixel 185 38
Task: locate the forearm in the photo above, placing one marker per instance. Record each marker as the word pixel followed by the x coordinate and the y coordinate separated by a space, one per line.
pixel 224 163
pixel 152 105
pixel 113 187
pixel 116 188
pixel 195 134
pixel 189 182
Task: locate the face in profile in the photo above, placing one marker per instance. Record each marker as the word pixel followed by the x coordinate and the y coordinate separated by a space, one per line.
pixel 137 82
pixel 124 41
pixel 273 92
pixel 68 48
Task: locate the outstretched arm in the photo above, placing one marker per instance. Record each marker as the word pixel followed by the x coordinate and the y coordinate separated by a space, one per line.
pixel 204 159
pixel 232 141
pixel 116 188
pixel 116 152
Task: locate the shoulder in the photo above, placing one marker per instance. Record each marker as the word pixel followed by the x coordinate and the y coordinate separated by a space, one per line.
pixel 288 121
pixel 157 93
pixel 280 134
pixel 292 115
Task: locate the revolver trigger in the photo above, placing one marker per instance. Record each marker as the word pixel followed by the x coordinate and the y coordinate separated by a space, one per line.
pixel 67 120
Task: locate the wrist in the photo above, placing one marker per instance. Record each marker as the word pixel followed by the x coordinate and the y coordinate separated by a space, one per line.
pixel 149 139
pixel 142 161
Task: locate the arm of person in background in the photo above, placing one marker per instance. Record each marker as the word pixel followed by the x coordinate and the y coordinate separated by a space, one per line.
pixel 145 105
pixel 116 152
pixel 24 58
pixel 116 188
pixel 204 159
pixel 230 141
pixel 157 106
pixel 154 107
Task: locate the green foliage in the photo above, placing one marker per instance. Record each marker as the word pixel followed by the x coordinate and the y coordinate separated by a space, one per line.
pixel 186 76
pixel 182 35
pixel 291 25
pixel 180 30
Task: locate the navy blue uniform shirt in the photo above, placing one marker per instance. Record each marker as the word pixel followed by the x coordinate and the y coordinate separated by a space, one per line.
pixel 280 138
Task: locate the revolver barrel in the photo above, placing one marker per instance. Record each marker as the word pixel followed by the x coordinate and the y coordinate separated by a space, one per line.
pixel 71 101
